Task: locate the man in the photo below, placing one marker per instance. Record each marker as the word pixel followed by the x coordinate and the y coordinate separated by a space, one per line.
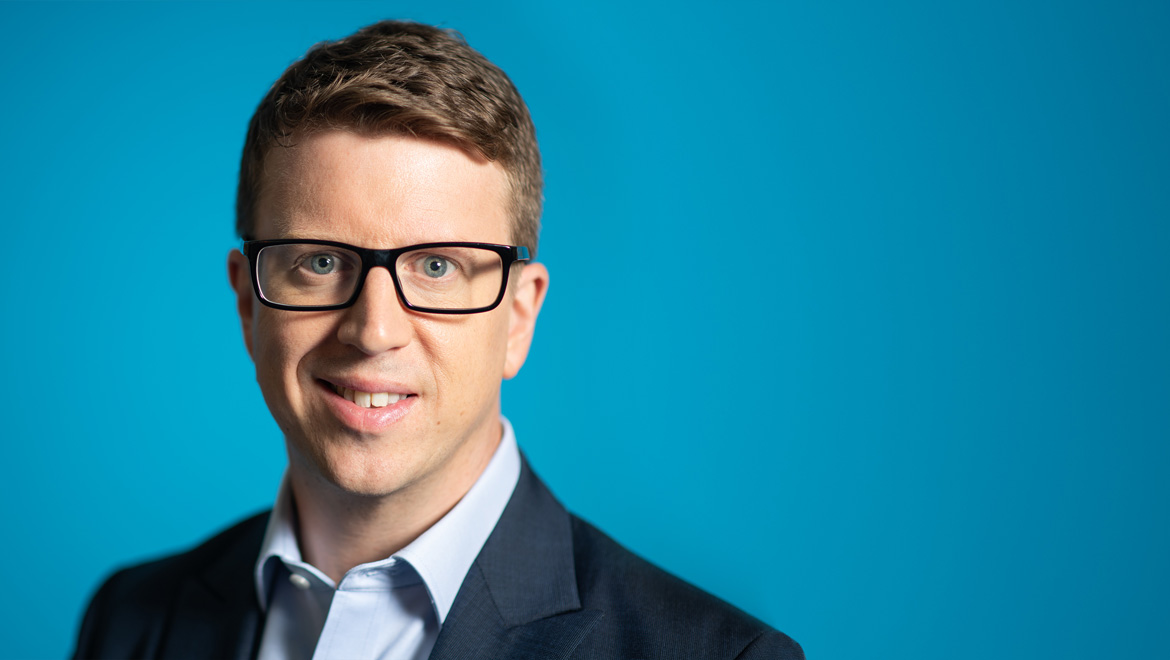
pixel 389 202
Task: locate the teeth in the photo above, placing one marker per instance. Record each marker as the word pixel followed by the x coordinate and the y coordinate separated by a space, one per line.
pixel 369 399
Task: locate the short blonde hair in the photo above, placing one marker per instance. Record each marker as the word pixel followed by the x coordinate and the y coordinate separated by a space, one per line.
pixel 401 78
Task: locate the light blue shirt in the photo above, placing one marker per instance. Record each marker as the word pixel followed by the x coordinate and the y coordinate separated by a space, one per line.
pixel 390 609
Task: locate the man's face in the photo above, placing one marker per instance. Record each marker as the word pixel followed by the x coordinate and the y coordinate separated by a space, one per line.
pixel 385 192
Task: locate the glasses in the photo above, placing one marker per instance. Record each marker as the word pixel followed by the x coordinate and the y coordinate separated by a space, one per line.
pixel 439 278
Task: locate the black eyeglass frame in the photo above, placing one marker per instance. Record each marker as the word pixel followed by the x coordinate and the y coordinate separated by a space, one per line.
pixel 509 254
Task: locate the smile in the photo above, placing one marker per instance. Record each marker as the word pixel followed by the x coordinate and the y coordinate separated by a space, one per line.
pixel 369 399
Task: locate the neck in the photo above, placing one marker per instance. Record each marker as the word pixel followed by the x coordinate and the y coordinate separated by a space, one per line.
pixel 339 529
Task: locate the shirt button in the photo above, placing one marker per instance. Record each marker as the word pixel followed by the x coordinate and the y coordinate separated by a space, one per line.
pixel 299 581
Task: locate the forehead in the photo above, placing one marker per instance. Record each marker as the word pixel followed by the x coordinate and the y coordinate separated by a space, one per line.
pixel 380 191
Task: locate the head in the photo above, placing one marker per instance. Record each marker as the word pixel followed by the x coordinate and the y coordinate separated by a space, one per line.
pixel 397 135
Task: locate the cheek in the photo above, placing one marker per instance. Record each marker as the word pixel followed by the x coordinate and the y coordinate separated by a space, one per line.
pixel 279 345
pixel 468 358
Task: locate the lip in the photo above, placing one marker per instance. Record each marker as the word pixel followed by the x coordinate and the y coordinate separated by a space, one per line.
pixel 363 385
pixel 366 420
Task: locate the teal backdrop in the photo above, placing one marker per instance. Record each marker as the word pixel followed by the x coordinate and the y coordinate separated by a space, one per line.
pixel 859 317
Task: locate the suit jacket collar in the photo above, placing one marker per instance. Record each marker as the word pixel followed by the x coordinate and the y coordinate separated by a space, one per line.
pixel 520 597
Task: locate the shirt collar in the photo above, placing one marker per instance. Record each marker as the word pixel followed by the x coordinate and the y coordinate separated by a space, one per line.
pixel 441 555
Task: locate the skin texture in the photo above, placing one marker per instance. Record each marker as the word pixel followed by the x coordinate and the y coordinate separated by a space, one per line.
pixel 364 489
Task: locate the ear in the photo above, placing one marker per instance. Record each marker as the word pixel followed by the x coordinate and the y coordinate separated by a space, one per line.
pixel 241 282
pixel 531 286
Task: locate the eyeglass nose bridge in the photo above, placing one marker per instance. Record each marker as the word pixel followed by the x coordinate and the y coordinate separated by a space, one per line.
pixel 380 259
pixel 383 258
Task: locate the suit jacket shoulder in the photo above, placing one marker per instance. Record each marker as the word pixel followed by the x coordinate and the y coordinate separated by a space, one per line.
pixel 550 585
pixel 153 609
pixel 653 614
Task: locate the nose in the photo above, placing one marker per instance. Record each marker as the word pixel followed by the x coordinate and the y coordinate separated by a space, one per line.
pixel 377 322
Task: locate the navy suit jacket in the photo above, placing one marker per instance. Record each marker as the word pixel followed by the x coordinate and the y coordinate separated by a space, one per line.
pixel 546 585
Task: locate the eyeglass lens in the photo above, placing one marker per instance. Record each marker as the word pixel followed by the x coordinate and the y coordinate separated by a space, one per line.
pixel 307 275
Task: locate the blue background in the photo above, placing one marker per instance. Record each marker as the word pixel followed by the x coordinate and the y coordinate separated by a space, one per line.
pixel 860 315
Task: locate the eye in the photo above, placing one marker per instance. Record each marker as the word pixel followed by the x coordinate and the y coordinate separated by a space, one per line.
pixel 437 267
pixel 323 264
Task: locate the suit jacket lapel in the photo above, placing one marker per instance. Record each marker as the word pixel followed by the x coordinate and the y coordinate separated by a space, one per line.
pixel 520 598
pixel 217 613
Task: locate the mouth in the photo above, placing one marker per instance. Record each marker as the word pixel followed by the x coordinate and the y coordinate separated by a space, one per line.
pixel 366 399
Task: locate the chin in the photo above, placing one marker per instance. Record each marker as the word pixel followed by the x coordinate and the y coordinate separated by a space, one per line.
pixel 357 471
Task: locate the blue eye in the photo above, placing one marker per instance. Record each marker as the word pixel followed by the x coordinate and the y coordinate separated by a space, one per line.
pixel 436 266
pixel 323 264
